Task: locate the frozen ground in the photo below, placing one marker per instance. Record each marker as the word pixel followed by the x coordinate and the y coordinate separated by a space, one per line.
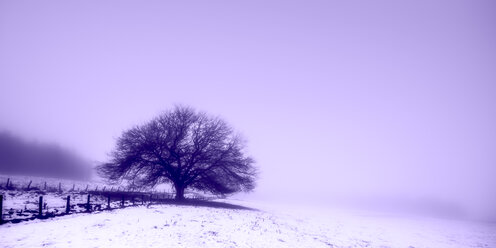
pixel 184 226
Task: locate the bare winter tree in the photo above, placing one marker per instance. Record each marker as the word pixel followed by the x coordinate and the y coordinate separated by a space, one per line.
pixel 186 148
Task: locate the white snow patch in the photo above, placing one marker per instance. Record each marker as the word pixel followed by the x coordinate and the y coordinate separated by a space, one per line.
pixel 272 226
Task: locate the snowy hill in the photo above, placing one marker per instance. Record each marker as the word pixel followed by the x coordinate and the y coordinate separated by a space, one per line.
pixel 270 226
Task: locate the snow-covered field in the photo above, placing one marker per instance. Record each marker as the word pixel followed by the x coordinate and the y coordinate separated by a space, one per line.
pixel 271 226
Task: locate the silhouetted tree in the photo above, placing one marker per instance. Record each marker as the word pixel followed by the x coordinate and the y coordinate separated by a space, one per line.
pixel 186 148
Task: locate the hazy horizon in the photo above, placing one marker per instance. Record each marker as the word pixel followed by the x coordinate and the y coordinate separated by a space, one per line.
pixel 378 99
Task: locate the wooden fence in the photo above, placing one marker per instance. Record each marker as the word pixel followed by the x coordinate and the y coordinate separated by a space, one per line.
pixel 75 200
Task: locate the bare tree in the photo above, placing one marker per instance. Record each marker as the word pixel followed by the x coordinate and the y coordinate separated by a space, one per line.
pixel 186 148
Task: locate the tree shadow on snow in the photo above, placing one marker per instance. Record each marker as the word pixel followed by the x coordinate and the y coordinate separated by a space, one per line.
pixel 210 204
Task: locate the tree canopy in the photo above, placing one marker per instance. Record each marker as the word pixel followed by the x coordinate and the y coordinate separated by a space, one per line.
pixel 185 148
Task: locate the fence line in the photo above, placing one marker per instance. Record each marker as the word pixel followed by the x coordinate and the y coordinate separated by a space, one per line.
pixel 43 186
pixel 114 199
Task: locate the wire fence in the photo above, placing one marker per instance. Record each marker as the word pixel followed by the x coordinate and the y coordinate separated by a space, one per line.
pixel 23 200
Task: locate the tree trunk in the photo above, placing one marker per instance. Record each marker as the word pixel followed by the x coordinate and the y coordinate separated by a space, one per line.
pixel 179 192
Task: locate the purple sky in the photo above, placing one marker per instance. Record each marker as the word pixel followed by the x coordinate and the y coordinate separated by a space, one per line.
pixel 383 98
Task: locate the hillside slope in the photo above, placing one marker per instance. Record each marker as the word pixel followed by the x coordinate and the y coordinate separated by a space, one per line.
pixel 186 226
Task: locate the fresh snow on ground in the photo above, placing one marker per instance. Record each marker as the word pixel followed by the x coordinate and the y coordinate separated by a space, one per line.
pixel 271 226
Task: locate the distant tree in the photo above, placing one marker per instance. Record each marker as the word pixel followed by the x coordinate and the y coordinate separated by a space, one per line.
pixel 40 159
pixel 185 148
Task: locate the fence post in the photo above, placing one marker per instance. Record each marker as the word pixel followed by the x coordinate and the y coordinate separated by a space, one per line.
pixel 73 185
pixel 68 206
pixel 86 187
pixel 29 185
pixel 8 181
pixel 88 206
pixel 122 201
pixel 104 188
pixel 108 202
pixel 1 209
pixel 40 206
pixel 60 188
pixel 142 199
pixel 44 188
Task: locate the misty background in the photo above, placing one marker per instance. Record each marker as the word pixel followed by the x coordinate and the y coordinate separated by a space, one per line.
pixel 371 102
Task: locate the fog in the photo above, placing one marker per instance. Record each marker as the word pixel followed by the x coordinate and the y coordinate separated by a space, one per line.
pixel 385 103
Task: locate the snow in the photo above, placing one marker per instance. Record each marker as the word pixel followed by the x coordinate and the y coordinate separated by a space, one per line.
pixel 51 183
pixel 21 203
pixel 271 226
